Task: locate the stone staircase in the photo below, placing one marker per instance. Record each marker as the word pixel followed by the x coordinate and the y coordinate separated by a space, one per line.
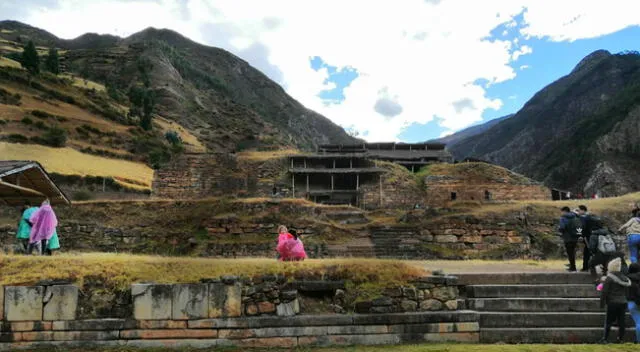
pixel 537 308
pixel 400 242
pixel 346 216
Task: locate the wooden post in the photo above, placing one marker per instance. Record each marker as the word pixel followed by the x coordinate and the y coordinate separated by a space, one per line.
pixel 292 163
pixel 357 182
pixel 307 183
pixel 334 163
pixel 293 185
pixel 305 162
pixel 351 163
pixel 332 182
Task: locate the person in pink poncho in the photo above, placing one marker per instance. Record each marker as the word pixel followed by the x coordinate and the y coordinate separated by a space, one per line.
pixel 44 223
pixel 291 249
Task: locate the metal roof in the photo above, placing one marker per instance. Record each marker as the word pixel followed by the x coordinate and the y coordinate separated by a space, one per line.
pixel 22 181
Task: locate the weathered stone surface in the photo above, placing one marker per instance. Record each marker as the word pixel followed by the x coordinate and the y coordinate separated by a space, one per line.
pixel 446 239
pixel 1 302
pixel 266 307
pixel 452 304
pixel 161 324
pixel 36 336
pixel 23 303
pixel 466 337
pixel 85 335
pixel 347 340
pixel 445 293
pixel 289 295
pixel 382 301
pixel 363 307
pixel 225 300
pixel 265 342
pixel 151 302
pixel 358 329
pixel 288 309
pixel 27 326
pixel 89 325
pixel 431 305
pixel 168 334
pixel 408 305
pixel 62 303
pixel 190 301
pixel 252 309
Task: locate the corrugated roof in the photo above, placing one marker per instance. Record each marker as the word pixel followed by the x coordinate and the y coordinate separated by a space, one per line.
pixel 22 181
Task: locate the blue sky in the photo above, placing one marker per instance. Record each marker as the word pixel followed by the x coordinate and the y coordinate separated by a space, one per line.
pixel 549 61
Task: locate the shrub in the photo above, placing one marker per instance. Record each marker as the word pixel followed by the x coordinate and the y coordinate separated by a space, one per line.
pixel 27 121
pixel 9 99
pixel 16 138
pixel 40 125
pixel 55 137
pixel 82 194
pixel 41 114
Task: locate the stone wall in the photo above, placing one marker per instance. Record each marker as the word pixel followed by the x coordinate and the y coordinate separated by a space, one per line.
pixel 199 175
pixel 229 311
pixel 439 191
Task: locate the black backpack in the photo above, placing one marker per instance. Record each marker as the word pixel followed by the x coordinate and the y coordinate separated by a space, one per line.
pixel 594 223
pixel 574 227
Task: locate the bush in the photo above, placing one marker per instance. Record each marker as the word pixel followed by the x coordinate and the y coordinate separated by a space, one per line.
pixel 9 99
pixel 82 194
pixel 41 114
pixel 55 137
pixel 40 125
pixel 27 121
pixel 16 138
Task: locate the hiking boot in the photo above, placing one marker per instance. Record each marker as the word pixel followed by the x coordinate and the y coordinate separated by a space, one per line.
pixel 572 270
pixel 603 341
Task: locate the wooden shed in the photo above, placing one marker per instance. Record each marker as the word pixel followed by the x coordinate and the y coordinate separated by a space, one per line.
pixel 22 181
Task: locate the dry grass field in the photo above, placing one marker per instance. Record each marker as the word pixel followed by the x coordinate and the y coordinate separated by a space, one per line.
pixel 67 161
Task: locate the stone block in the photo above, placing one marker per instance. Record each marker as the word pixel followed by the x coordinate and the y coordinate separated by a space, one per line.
pixel 288 309
pixel 89 325
pixel 452 304
pixel 173 344
pixel 358 329
pixel 266 307
pixel 252 309
pixel 151 302
pixel 190 301
pixel 161 324
pixel 168 334
pixel 472 239
pixel 226 300
pixel 514 239
pixel 408 305
pixel 1 302
pixel 36 336
pixel 23 303
pixel 85 335
pixel 446 239
pixel 28 326
pixel 266 342
pixel 445 293
pixel 61 302
pixel 431 305
pixel 466 337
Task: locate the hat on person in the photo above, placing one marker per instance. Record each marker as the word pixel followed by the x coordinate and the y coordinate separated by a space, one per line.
pixel 614 265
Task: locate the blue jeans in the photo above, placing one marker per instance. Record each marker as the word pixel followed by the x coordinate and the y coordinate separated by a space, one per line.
pixel 635 314
pixel 633 240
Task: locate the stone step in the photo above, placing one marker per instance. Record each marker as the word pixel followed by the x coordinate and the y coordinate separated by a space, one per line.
pixel 532 291
pixel 534 304
pixel 548 335
pixel 544 320
pixel 524 278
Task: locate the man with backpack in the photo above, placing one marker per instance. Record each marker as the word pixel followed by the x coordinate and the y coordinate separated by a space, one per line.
pixel 571 230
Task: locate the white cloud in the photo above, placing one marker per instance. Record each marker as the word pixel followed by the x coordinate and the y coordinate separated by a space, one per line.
pixel 446 133
pixel 524 67
pixel 426 53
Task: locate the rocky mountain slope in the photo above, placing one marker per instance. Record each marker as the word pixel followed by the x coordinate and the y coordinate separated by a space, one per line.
pixel 453 139
pixel 581 133
pixel 217 97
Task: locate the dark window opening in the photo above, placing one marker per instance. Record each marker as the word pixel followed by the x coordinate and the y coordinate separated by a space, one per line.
pixel 487 195
pixel 454 195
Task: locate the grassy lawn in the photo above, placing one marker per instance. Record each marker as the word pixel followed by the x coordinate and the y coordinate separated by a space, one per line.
pixel 118 271
pixel 413 348
pixel 67 161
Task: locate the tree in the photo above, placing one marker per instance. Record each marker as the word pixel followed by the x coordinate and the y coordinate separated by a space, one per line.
pixel 52 63
pixel 30 59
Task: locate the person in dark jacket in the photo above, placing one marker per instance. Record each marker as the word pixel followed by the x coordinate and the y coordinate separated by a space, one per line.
pixel 567 229
pixel 633 298
pixel 585 218
pixel 614 296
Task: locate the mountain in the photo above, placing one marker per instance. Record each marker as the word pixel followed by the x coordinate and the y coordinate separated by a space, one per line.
pixel 581 132
pixel 218 98
pixel 453 139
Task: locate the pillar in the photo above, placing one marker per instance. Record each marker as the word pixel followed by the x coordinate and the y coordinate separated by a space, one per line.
pixel 357 182
pixel 332 182
pixel 351 163
pixel 380 178
pixel 307 183
pixel 334 163
pixel 292 163
pixel 305 162
pixel 293 185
